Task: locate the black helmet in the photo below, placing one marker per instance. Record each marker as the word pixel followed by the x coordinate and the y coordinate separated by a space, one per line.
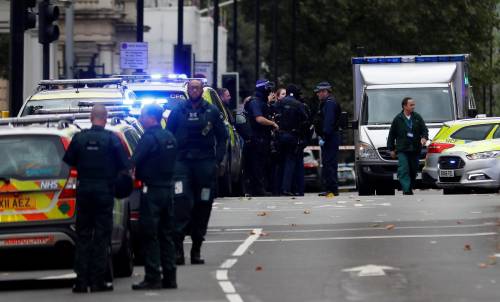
pixel 124 185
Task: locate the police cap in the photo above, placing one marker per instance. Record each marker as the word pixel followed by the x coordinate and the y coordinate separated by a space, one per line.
pixel 323 86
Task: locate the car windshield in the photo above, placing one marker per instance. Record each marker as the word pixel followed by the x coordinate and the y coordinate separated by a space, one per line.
pixel 168 99
pixel 382 105
pixel 27 157
pixel 33 105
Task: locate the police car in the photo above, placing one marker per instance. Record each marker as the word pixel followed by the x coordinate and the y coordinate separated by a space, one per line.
pixel 38 191
pixel 77 93
pixel 171 90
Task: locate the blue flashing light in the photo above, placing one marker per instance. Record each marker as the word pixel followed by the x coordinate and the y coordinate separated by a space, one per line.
pixel 156 76
pixel 174 76
pixel 376 60
pixel 417 59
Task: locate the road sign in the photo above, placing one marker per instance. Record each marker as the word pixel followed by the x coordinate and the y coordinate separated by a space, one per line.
pixel 204 70
pixel 134 55
pixel 370 270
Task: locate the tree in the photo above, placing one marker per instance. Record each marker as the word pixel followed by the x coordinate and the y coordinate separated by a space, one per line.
pixel 330 32
pixel 4 56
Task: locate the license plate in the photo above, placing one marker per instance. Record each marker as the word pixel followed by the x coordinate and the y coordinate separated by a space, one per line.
pixel 395 176
pixel 446 173
pixel 16 203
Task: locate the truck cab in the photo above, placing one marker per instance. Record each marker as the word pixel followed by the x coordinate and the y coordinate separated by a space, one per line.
pixel 438 84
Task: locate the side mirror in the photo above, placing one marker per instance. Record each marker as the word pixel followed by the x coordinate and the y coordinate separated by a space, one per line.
pixel 472 112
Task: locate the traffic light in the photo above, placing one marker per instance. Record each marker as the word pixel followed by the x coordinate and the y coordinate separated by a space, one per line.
pixel 231 81
pixel 48 32
pixel 29 15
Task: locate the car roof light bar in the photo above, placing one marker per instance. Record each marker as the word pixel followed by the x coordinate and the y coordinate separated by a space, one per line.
pixel 79 110
pixel 410 59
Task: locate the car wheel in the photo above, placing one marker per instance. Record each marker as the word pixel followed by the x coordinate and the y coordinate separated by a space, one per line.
pixel 123 261
pixel 365 189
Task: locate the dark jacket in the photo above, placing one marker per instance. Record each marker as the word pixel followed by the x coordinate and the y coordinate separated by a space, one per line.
pixel 256 107
pixel 97 154
pixel 154 157
pixel 399 140
pixel 200 132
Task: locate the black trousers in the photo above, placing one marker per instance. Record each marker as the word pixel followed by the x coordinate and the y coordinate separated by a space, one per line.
pixel 194 182
pixel 157 226
pixel 259 152
pixel 329 154
pixel 94 225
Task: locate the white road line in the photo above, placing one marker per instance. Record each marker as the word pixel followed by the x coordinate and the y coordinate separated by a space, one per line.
pixel 221 275
pixel 223 272
pixel 227 287
pixel 247 243
pixel 229 263
pixel 380 237
pixel 65 276
pixel 234 298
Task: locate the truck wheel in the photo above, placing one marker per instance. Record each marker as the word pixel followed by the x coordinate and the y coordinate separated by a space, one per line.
pixel 123 261
pixel 365 189
pixel 385 191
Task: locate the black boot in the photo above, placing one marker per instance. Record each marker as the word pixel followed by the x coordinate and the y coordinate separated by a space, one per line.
pixel 145 285
pixel 169 279
pixel 196 253
pixel 80 287
pixel 101 287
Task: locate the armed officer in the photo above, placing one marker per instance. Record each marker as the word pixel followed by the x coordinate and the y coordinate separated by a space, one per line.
pixel 202 142
pixel 260 143
pixel 328 130
pixel 98 157
pixel 154 160
pixel 292 116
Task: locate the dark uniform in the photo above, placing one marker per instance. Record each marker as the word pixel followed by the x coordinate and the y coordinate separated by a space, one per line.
pixel 292 116
pixel 259 147
pixel 202 143
pixel 328 129
pixel 98 156
pixel 404 137
pixel 154 159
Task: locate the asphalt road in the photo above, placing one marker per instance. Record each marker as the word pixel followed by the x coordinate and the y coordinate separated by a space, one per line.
pixel 426 247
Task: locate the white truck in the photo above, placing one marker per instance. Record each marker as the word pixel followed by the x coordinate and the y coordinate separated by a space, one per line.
pixel 439 84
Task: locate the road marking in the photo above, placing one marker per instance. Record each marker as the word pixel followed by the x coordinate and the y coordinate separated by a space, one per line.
pixel 229 263
pixel 227 287
pixel 222 274
pixel 248 242
pixel 234 298
pixel 380 237
pixel 370 270
pixel 65 276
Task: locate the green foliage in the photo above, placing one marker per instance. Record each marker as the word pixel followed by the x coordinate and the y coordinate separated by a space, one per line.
pixel 329 33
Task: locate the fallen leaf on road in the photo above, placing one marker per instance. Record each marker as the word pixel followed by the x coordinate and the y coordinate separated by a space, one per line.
pixel 307 211
pixel 258 268
pixel 330 195
pixel 252 232
pixel 390 227
pixel 467 247
pixel 293 198
pixel 483 265
pixel 433 242
pixel 261 214
pixel 375 225
pixel 498 223
pixel 264 234
pixel 293 224
pixel 459 222
pixel 492 260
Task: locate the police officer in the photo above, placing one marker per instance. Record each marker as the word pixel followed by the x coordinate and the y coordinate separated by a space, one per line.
pixel 98 157
pixel 259 146
pixel 154 159
pixel 202 142
pixel 328 130
pixel 291 117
